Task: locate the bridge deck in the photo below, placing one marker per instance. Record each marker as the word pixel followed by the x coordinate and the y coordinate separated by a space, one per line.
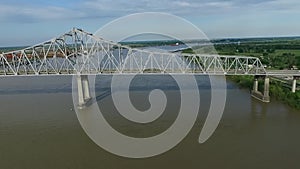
pixel 72 73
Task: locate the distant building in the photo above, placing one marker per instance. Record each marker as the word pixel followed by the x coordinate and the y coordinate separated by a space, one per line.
pixel 294 68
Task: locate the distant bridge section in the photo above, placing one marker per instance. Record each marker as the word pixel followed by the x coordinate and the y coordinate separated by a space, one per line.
pixel 283 72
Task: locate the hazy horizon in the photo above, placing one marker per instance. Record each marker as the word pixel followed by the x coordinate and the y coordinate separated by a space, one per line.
pixel 161 40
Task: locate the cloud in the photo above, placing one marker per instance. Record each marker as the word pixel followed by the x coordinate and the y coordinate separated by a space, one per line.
pixel 218 17
pixel 190 7
pixel 123 7
pixel 175 7
pixel 182 4
pixel 19 13
pixel 280 5
pixel 33 12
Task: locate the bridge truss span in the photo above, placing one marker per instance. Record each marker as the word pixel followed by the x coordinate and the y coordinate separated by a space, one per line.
pixel 79 52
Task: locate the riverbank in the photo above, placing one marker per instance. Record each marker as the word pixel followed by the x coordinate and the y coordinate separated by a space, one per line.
pixel 277 91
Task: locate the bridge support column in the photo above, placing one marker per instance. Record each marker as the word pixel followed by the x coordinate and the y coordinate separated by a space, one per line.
pixel 266 95
pixel 262 96
pixel 255 85
pixel 85 82
pixel 83 91
pixel 294 85
pixel 80 91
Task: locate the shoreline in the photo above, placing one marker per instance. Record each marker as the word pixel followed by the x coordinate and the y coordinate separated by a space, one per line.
pixel 277 91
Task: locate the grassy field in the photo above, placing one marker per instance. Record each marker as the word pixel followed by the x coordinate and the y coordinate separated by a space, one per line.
pixel 292 51
pixel 276 53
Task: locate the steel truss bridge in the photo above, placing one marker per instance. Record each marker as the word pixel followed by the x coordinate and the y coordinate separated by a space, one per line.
pixel 78 52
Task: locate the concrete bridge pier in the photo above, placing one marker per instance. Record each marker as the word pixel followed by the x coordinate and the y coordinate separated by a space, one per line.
pixel 255 85
pixel 265 96
pixel 294 84
pixel 84 96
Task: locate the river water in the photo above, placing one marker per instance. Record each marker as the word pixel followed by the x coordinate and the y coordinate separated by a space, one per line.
pixel 39 128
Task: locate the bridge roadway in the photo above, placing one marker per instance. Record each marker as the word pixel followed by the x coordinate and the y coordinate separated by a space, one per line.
pixel 277 74
pixel 283 73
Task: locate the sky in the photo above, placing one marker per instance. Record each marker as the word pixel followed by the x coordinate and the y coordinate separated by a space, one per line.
pixel 27 22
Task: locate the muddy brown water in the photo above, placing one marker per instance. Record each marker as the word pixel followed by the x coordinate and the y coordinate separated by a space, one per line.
pixel 39 128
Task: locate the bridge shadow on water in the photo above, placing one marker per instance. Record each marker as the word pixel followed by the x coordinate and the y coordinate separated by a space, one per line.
pixel 106 92
pixel 146 84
